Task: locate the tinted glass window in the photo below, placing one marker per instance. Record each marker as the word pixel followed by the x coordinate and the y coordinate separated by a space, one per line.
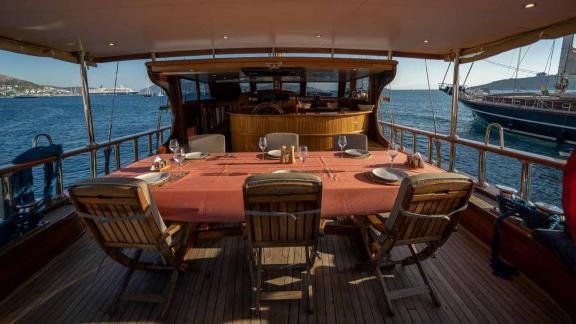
pixel 188 89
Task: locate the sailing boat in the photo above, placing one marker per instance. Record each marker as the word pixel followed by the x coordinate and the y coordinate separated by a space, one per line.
pixel 544 115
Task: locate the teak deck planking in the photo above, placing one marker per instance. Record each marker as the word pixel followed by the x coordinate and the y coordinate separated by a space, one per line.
pixel 79 285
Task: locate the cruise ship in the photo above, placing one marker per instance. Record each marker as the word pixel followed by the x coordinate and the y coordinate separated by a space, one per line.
pixel 265 203
pixel 120 90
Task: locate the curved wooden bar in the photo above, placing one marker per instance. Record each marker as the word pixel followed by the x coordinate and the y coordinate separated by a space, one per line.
pixel 315 129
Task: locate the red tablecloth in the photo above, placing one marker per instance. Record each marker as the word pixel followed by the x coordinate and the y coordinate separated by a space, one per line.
pixel 212 190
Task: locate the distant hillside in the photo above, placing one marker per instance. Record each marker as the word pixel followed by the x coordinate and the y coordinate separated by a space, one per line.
pixel 13 87
pixel 10 81
pixel 530 83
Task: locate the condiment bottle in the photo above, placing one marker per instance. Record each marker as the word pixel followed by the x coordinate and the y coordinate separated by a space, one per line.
pixel 292 155
pixel 283 154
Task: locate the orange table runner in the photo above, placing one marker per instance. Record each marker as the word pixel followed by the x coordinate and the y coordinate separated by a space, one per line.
pixel 212 189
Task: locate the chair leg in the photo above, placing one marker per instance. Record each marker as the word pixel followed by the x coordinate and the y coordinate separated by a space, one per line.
pixel 258 280
pixel 387 300
pixel 126 281
pixel 435 299
pixel 169 293
pixel 307 282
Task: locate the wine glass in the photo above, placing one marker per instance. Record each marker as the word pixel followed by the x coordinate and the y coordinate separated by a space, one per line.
pixel 303 153
pixel 263 143
pixel 342 142
pixel 392 152
pixel 173 146
pixel 179 156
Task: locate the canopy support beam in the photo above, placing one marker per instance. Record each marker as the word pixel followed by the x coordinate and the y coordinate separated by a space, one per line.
pixel 87 110
pixel 454 114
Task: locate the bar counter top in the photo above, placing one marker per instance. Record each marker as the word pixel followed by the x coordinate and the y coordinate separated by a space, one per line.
pixel 315 129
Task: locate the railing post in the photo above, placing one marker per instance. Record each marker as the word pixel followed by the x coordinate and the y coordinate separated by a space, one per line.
pixel 117 155
pixel 93 164
pixel 481 169
pixel 401 140
pixel 149 144
pixel 6 204
pixel 525 180
pixel 135 144
pixel 414 150
pixel 452 160
pixel 161 139
pixel 430 149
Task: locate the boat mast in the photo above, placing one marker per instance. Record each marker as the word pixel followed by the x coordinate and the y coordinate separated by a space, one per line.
pixel 87 111
pixel 454 114
pixel 563 64
pixel 517 68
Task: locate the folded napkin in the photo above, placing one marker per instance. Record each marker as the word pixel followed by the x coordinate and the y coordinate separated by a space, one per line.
pixel 415 160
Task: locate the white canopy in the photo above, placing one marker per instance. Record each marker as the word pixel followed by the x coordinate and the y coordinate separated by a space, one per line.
pixel 416 28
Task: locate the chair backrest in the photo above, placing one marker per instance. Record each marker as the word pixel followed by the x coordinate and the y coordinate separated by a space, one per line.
pixel 353 141
pixel 428 207
pixel 282 209
pixel 119 212
pixel 210 143
pixel 275 140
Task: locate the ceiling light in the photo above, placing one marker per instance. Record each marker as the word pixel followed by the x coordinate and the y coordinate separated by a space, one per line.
pixel 111 44
pixel 317 35
pixel 225 37
pixel 426 41
pixel 529 5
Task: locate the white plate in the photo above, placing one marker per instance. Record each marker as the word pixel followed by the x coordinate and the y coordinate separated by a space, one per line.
pixel 356 152
pixel 548 208
pixel 154 177
pixel 389 175
pixel 273 154
pixel 288 171
pixel 195 155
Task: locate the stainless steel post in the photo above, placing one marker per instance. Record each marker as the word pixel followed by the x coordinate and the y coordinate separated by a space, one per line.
pixel 87 111
pixel 454 114
pixel 525 180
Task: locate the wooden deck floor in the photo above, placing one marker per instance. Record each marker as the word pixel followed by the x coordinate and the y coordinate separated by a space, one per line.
pixel 78 287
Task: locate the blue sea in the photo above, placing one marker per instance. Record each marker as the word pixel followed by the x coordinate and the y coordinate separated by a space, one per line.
pixel 62 118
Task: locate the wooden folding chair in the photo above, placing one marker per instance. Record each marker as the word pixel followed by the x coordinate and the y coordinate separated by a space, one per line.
pixel 282 210
pixel 120 214
pixel 427 210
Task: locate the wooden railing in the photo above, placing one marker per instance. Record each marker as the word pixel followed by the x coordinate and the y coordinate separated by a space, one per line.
pixel 7 170
pixel 525 158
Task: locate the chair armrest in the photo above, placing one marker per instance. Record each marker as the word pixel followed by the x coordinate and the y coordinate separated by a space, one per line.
pixel 171 230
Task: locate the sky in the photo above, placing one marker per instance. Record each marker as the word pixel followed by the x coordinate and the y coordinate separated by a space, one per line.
pixel 411 73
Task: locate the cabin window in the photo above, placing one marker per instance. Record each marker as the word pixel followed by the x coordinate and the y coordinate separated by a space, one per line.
pixel 264 86
pixel 244 87
pixel 291 86
pixel 322 89
pixel 205 91
pixel 188 89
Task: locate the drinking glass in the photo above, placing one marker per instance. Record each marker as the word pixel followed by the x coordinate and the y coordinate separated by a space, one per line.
pixel 263 143
pixel 392 152
pixel 173 146
pixel 303 153
pixel 342 142
pixel 179 156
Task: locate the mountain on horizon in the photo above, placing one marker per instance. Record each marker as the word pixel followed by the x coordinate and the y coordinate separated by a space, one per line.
pixel 527 84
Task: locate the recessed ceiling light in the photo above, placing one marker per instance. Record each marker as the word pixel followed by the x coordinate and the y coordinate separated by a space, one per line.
pixel 354 69
pixel 317 35
pixel 426 41
pixel 225 37
pixel 529 5
pixel 111 44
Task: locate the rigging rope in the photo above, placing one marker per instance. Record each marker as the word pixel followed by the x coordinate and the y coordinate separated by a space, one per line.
pixel 467 74
pixel 436 140
pixel 108 149
pixel 446 73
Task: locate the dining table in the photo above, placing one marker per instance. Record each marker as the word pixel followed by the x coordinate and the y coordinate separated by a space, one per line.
pixel 211 189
